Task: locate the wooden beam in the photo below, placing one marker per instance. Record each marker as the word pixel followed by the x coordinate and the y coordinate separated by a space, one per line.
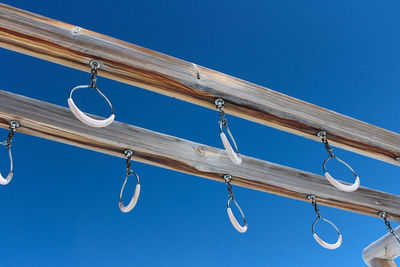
pixel 382 252
pixel 57 123
pixel 74 47
pixel 382 263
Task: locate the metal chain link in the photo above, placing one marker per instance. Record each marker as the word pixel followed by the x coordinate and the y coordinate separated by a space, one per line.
pixel 128 154
pixel 314 203
pixel 13 127
pixel 219 103
pixel 228 179
pixel 93 79
pixel 324 140
pixel 383 215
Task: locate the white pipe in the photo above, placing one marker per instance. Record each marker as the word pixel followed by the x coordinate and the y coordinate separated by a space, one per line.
pixel 386 248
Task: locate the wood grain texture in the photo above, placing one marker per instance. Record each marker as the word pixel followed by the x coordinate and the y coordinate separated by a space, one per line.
pixel 74 47
pixel 57 123
pixel 382 263
pixel 383 250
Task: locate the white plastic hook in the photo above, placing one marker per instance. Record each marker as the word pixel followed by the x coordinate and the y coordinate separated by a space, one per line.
pixel 229 150
pixel 83 117
pixel 232 154
pixel 322 242
pixel 333 181
pixel 316 237
pixel 346 188
pixel 134 199
pixel 128 153
pixel 7 180
pixel 343 187
pixel 235 223
pixel 13 127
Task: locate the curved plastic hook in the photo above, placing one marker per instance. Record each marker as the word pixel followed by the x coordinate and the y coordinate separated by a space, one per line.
pixel 7 180
pixel 336 183
pixel 322 242
pixel 135 196
pixel 232 218
pixel 234 156
pixel 83 117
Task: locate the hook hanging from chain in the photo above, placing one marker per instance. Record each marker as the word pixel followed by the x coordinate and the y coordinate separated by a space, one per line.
pixel 7 143
pixel 383 215
pixel 333 181
pixel 234 155
pixel 235 223
pixel 316 237
pixel 95 65
pixel 128 154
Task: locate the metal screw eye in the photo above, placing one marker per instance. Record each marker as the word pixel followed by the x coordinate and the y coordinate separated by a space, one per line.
pixel 311 197
pixel 382 214
pixel 321 134
pixel 128 153
pixel 228 178
pixel 219 103
pixel 94 64
pixel 14 124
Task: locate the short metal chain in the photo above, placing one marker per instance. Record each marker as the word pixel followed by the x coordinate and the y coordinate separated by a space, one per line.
pixel 222 117
pixel 228 179
pixel 93 78
pixel 129 171
pixel 314 203
pixel 324 140
pixel 10 136
pixel 219 103
pixel 387 223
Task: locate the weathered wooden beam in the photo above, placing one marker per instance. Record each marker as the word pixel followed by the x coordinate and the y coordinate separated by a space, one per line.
pixel 382 252
pixel 57 123
pixel 382 263
pixel 74 47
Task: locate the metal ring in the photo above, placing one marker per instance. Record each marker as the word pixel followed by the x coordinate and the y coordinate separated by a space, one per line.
pixel 322 242
pixel 336 183
pixel 7 180
pixel 232 154
pixel 95 64
pixel 135 196
pixel 83 117
pixel 232 218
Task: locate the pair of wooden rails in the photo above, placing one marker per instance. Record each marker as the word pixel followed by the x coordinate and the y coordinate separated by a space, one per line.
pixel 74 47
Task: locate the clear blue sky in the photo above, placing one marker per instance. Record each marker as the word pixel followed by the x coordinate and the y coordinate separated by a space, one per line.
pixel 61 209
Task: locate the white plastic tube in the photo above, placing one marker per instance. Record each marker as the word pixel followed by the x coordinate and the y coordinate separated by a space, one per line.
pixel 328 245
pixel 238 227
pixel 133 201
pixel 7 180
pixel 343 187
pixel 86 119
pixel 229 150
